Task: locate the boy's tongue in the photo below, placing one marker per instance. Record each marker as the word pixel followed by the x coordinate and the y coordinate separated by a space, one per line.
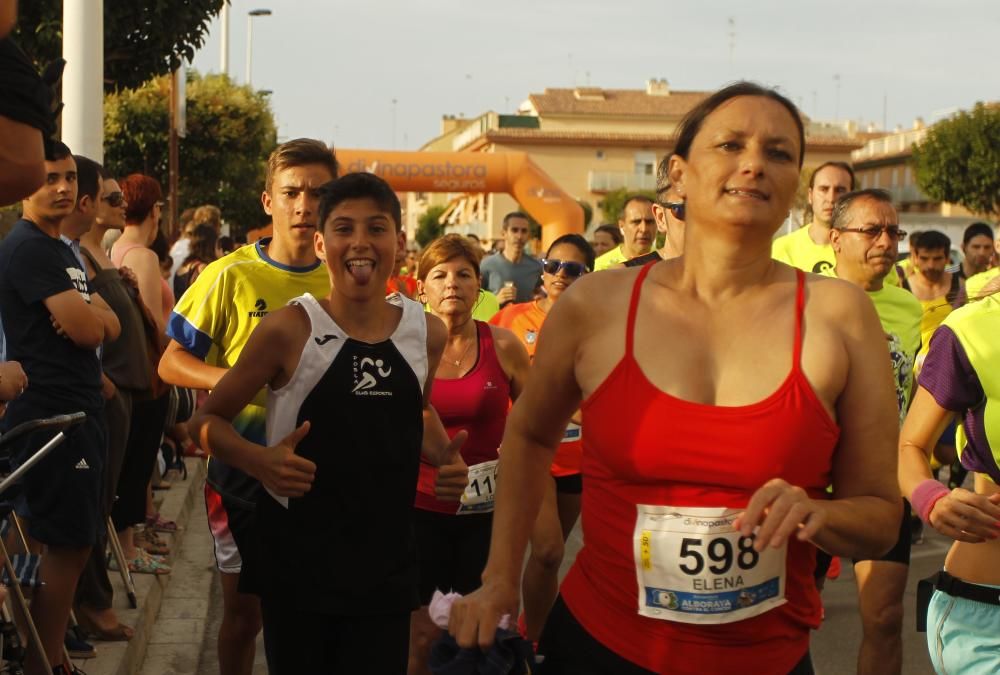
pixel 361 272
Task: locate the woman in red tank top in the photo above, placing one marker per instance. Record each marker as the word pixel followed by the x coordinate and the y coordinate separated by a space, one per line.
pixel 482 369
pixel 721 393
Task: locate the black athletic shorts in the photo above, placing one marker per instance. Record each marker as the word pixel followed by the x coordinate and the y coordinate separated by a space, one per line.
pixel 62 497
pixel 297 643
pixel 451 551
pixel 570 650
pixel 900 552
pixel 569 485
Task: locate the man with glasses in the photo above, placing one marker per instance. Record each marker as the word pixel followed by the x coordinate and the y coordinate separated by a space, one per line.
pixel 638 226
pixel 513 275
pixel 865 238
pixel 668 210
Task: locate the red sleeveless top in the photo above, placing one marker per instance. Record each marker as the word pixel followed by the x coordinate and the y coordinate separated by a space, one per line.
pixel 477 402
pixel 644 446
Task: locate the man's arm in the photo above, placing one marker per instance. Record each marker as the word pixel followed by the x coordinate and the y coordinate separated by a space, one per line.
pixel 180 367
pixel 264 360
pixel 76 319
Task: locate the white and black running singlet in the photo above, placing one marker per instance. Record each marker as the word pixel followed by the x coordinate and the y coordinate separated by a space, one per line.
pixel 347 546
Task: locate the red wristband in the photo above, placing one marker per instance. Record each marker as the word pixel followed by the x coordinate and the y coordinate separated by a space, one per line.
pixel 925 496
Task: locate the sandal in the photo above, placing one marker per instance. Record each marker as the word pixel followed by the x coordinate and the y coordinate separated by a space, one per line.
pixel 157 522
pixel 149 541
pixel 143 563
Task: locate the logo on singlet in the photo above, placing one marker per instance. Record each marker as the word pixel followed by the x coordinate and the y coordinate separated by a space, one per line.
pixel 323 340
pixel 822 266
pixel 365 380
pixel 259 309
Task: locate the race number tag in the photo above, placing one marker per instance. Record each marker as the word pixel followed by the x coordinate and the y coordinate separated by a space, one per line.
pixel 693 567
pixel 478 496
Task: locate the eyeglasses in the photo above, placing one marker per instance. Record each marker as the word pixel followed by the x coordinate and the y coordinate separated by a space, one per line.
pixel 875 231
pixel 572 269
pixel 677 208
pixel 115 199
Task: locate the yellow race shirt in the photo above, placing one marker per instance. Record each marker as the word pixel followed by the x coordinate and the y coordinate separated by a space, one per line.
pixel 974 285
pixel 613 257
pixel 799 250
pixel 900 314
pixel 214 319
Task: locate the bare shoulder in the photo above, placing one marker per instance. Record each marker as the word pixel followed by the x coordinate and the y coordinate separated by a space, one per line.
pixel 286 328
pixel 505 340
pixel 437 333
pixel 844 305
pixel 597 296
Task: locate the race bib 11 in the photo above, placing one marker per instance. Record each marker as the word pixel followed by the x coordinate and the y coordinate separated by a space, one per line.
pixel 693 567
pixel 481 490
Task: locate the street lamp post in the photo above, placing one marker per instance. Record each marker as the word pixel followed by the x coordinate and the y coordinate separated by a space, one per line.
pixel 250 15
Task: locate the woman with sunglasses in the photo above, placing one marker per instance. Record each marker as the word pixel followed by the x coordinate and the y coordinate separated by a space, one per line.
pixel 721 392
pixel 482 370
pixel 568 258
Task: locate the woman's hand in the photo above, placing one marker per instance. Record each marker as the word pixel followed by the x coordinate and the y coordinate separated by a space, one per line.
pixel 966 516
pixel 474 618
pixel 776 511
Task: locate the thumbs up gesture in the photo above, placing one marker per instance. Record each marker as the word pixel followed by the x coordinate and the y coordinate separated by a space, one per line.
pixel 453 475
pixel 282 471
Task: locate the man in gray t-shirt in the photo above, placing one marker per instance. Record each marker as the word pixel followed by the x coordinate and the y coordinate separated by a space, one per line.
pixel 512 275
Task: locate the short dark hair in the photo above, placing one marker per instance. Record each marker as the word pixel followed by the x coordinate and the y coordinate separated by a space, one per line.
pixel 691 124
pixel 300 152
pixel 612 230
pixel 976 230
pixel 582 244
pixel 56 150
pixel 932 240
pixel 844 166
pixel 841 208
pixel 514 214
pixel 663 177
pixel 359 186
pixel 88 177
pixel 634 198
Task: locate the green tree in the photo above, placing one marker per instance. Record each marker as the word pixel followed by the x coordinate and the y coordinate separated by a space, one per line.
pixel 614 203
pixel 230 132
pixel 959 160
pixel 428 226
pixel 142 38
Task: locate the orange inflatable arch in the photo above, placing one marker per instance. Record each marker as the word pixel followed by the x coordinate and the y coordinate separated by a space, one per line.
pixel 511 172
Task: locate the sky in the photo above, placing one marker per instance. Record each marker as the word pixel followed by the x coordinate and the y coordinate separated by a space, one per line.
pixel 380 74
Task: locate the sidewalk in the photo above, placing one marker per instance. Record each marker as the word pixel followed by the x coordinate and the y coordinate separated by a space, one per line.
pixel 180 599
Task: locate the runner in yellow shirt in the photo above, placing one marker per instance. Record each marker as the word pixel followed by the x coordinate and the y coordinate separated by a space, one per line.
pixel 638 228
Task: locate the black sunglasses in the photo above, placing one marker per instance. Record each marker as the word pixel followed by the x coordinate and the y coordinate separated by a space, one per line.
pixel 115 199
pixel 572 269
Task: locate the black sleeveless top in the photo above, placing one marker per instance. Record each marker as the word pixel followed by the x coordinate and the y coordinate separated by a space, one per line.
pixel 347 546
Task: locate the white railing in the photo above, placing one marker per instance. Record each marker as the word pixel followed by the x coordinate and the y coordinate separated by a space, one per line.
pixel 889 145
pixel 608 181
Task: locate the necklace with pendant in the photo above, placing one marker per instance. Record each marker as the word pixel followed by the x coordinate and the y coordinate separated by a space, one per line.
pixel 464 354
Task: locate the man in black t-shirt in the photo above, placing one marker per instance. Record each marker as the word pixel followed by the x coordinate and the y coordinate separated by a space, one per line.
pixel 53 326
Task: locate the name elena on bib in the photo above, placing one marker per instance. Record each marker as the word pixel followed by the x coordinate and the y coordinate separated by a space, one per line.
pixel 693 567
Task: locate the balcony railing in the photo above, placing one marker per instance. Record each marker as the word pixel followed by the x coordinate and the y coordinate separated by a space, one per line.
pixel 609 181
pixel 889 145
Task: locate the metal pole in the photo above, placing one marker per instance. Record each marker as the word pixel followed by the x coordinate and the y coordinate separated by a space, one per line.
pixel 249 46
pixel 224 41
pixel 173 160
pixel 83 80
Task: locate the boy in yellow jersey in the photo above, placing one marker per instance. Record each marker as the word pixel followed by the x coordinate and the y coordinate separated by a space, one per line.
pixel 865 237
pixel 808 248
pixel 209 328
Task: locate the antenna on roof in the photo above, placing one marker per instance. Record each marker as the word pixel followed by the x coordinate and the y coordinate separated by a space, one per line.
pixel 732 42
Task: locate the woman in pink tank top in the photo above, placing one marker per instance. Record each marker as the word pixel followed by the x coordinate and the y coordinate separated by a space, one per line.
pixel 721 392
pixel 482 370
